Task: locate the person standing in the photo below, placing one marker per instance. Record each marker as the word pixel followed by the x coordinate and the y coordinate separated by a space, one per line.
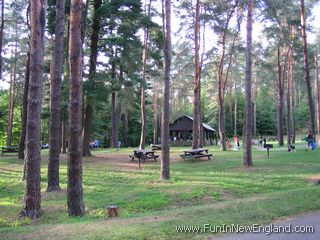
pixel 236 140
pixel 310 139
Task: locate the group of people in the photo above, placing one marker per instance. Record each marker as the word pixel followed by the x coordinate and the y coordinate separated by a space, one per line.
pixel 94 144
pixel 236 142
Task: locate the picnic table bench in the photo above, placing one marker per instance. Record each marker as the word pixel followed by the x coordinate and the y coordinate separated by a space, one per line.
pixel 9 149
pixel 196 153
pixel 143 155
pixel 156 147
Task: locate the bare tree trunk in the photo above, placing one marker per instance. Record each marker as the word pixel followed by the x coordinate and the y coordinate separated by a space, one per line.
pixel 114 139
pixel 317 93
pixel 235 108
pixel 92 71
pixel 126 129
pixel 1 35
pixel 24 110
pixel 32 197
pixel 117 122
pixel 196 138
pixel 75 190
pixel 144 79
pixel 12 94
pixel 116 113
pixel 222 133
pixel 88 116
pixel 307 71
pixel 280 101
pixel 143 116
pixel 64 137
pixel 255 106
pixel 155 113
pixel 54 139
pixel 165 156
pixel 292 87
pixel 289 106
pixel 222 83
pixel 230 105
pixel 247 155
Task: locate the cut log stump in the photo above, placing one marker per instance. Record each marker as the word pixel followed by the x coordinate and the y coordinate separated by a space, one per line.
pixel 314 179
pixel 111 211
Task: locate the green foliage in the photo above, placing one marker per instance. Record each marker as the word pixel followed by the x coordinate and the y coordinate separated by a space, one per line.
pixel 4 96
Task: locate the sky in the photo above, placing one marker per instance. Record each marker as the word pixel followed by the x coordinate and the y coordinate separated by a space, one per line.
pixel 314 20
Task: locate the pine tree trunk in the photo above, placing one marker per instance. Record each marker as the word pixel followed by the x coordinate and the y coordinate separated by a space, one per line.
pixel 56 82
pixel 117 122
pixel 113 120
pixel 32 197
pixel 222 83
pixel 64 137
pixel 143 83
pixel 280 101
pixel 155 113
pixel 289 107
pixel 222 133
pixel 196 135
pixel 86 129
pixel 247 155
pixel 288 117
pixel 126 129
pixel 307 71
pixel 116 110
pixel 165 150
pixel 24 110
pixel 12 93
pixel 235 108
pixel 230 105
pixel 292 88
pixel 1 35
pixel 143 116
pixel 317 93
pixel 65 118
pixel 94 39
pixel 255 106
pixel 75 190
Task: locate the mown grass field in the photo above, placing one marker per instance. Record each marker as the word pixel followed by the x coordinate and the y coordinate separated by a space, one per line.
pixel 213 192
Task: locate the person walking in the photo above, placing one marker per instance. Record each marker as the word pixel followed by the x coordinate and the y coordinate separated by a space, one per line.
pixel 310 139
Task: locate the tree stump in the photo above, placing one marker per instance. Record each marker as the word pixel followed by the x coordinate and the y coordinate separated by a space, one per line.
pixel 314 180
pixel 111 211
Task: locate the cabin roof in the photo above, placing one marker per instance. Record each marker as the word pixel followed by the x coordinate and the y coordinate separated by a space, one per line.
pixel 206 126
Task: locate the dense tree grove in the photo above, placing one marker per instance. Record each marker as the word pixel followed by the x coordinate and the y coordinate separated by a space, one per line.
pixel 76 72
pixel 115 71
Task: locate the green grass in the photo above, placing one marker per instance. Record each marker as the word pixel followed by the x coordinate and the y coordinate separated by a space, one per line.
pixel 220 191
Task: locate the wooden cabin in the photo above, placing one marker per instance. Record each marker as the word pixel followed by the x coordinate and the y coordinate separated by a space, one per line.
pixel 181 132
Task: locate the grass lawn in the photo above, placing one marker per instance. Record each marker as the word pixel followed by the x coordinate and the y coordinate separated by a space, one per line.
pixel 216 192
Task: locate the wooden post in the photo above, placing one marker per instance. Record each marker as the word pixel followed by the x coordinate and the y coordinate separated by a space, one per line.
pixel 111 211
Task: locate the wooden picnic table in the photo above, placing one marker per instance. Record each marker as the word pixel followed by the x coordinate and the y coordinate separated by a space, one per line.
pixel 196 153
pixel 142 155
pixel 156 147
pixel 9 149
